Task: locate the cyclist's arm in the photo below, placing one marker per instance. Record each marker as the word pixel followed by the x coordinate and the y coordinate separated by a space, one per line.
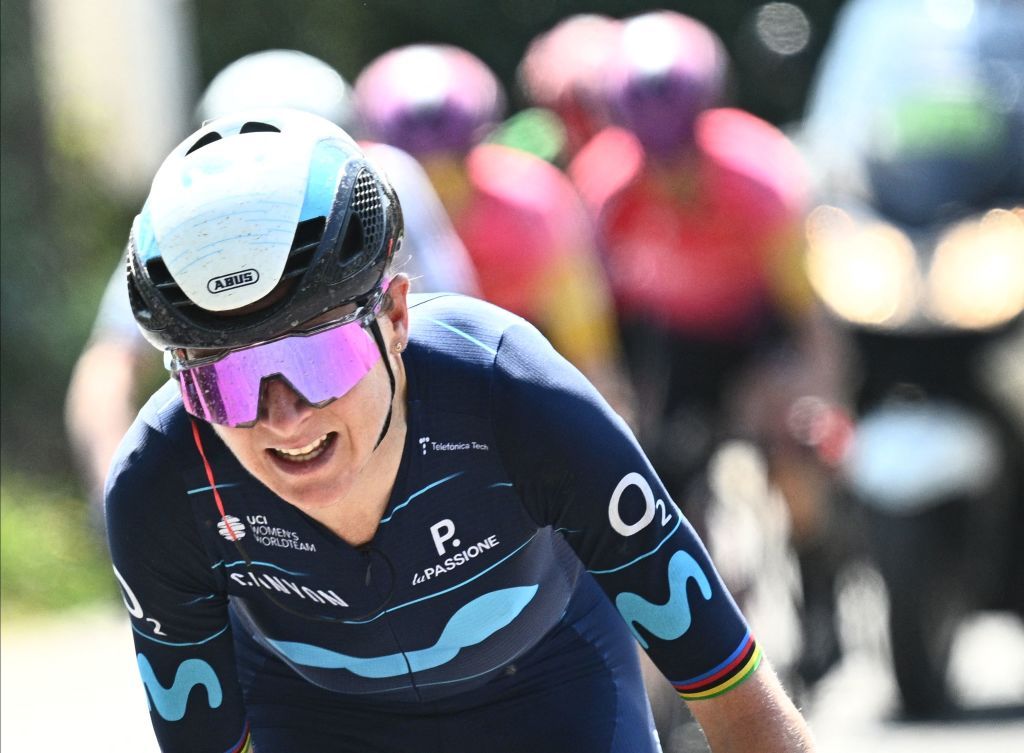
pixel 757 715
pixel 100 402
pixel 176 602
pixel 579 469
pixel 99 407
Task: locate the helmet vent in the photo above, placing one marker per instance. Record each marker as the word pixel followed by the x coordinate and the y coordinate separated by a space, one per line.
pixel 304 245
pixel 353 242
pixel 166 284
pixel 256 127
pixel 204 141
pixel 366 206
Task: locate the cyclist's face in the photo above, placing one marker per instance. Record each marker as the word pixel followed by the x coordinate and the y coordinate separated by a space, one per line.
pixel 314 457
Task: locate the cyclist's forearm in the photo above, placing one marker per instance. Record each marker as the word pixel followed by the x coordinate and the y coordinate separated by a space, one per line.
pixel 756 715
pixel 100 406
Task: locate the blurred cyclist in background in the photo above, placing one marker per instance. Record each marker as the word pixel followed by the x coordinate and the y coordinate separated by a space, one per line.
pixel 699 212
pixel 519 216
pixel 560 74
pixel 101 400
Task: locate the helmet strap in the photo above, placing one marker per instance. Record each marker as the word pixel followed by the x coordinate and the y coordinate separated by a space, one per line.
pixel 378 337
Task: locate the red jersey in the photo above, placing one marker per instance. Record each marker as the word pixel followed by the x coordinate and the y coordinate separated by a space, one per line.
pixel 693 244
pixel 532 244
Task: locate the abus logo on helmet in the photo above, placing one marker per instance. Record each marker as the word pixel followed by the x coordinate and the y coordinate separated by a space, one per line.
pixel 233 280
pixel 230 524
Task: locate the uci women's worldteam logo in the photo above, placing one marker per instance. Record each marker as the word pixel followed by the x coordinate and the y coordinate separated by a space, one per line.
pixel 229 525
pixel 233 280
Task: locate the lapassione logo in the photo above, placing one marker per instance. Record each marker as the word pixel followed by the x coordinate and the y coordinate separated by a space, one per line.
pixel 442 533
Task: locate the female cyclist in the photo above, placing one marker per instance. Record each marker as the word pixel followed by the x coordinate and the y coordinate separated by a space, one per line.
pixel 357 519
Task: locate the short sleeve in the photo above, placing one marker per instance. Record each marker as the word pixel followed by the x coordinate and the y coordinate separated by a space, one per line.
pixel 175 599
pixel 578 468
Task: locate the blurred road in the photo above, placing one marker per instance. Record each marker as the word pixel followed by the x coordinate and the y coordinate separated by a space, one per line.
pixel 855 707
pixel 853 710
pixel 73 685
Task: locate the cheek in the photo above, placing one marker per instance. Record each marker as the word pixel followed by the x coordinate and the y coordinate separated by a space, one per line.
pixel 239 441
pixel 365 406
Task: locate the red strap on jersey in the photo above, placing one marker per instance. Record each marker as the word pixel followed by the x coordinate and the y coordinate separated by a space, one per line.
pixel 213 484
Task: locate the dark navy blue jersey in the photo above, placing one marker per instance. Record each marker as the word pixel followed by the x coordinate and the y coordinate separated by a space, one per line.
pixel 519 491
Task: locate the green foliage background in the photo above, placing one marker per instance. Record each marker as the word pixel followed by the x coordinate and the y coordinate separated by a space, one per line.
pixel 51 555
pixel 62 229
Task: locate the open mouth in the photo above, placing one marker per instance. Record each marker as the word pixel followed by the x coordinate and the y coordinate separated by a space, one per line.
pixel 306 454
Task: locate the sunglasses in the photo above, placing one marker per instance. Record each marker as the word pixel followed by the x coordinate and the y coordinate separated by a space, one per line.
pixel 320 365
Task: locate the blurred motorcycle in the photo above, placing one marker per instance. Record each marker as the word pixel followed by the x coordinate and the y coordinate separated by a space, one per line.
pixel 935 461
pixel 916 133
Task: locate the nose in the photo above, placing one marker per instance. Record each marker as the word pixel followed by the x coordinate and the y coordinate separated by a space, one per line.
pixel 282 409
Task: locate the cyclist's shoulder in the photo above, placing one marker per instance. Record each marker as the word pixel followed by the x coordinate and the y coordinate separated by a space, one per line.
pixel 606 164
pixel 717 128
pixel 151 449
pixel 146 492
pixel 447 321
pixel 457 336
pixel 739 148
pixel 519 181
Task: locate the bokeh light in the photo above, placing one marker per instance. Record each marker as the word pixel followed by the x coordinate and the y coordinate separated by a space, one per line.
pixel 783 28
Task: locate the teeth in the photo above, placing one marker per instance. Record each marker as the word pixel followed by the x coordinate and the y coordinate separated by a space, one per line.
pixel 310 451
pixel 307 449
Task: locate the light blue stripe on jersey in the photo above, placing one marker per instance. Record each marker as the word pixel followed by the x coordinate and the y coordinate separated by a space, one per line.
pixel 171 643
pixel 236 563
pixel 465 335
pixel 473 623
pixel 447 590
pixel 661 543
pixel 211 488
pixel 416 494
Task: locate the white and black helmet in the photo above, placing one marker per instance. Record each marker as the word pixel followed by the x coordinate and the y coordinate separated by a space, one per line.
pixel 245 204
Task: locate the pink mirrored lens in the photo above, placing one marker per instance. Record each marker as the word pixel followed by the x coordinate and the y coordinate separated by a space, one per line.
pixel 320 367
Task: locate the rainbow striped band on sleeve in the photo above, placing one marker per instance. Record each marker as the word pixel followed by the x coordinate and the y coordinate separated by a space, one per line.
pixel 244 744
pixel 727 675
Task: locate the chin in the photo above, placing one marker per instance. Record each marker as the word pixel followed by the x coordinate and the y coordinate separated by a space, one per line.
pixel 312 495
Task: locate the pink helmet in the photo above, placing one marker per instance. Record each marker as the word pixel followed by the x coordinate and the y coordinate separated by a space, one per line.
pixel 428 98
pixel 562 71
pixel 665 70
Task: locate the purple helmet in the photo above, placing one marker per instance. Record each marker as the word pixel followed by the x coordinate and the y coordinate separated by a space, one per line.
pixel 666 69
pixel 563 70
pixel 429 98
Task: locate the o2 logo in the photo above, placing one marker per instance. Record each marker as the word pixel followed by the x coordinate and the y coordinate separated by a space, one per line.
pixel 133 605
pixel 652 506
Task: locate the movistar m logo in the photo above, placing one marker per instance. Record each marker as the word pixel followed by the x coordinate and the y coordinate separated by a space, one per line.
pixel 233 280
pixel 171 702
pixel 670 620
